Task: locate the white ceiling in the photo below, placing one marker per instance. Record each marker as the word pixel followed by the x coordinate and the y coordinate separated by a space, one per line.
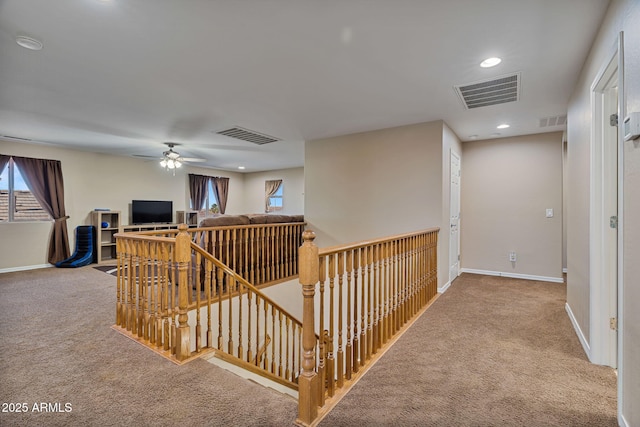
pixel 125 76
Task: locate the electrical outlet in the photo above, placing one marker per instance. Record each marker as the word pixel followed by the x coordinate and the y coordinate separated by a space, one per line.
pixel 512 256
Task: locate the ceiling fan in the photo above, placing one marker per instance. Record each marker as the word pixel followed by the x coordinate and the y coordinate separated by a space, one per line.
pixel 171 160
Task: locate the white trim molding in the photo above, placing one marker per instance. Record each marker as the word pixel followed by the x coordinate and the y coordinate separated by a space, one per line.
pixel 576 327
pixel 514 275
pixel 24 268
pixel 444 288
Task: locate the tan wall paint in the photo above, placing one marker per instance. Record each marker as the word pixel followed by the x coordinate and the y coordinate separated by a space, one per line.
pixel 98 181
pixel 507 185
pixel 293 191
pixel 623 15
pixel 375 184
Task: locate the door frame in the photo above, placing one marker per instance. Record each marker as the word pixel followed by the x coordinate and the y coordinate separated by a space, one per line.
pixel 605 273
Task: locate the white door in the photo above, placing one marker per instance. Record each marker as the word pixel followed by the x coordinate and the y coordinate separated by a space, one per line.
pixel 454 223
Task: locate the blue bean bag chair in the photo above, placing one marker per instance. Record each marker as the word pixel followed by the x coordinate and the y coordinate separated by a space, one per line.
pixel 85 248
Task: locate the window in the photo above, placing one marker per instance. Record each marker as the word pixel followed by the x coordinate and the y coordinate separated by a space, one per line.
pixel 17 203
pixel 273 193
pixel 211 204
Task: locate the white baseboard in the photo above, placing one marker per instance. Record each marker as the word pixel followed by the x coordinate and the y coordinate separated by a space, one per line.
pixel 444 288
pixel 622 421
pixel 576 327
pixel 24 268
pixel 513 275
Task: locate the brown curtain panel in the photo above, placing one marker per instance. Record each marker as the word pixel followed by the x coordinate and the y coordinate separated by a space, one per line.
pixel 198 190
pixel 220 187
pixel 270 188
pixel 44 179
pixel 3 161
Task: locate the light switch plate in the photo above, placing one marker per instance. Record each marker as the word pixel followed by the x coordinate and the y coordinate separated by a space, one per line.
pixel 549 213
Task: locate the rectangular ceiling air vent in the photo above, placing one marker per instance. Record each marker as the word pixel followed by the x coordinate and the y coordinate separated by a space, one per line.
pixel 553 121
pixel 248 135
pixel 490 92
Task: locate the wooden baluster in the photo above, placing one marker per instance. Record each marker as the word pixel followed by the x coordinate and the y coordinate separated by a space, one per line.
pixel 396 286
pixel 340 319
pixel 257 362
pixel 230 286
pixel 265 365
pixel 356 285
pixel 287 251
pixel 133 313
pixel 208 286
pixel 198 290
pixel 247 248
pixel 240 288
pixel 376 297
pixel 166 310
pixel 321 359
pixel 153 292
pixel 183 256
pixel 263 258
pixel 249 353
pixel 220 276
pixel 349 347
pixel 119 279
pixel 287 371
pixel 252 250
pixel 273 337
pixel 330 373
pixel 384 304
pixel 280 373
pixel 234 257
pixel 364 355
pixel 308 391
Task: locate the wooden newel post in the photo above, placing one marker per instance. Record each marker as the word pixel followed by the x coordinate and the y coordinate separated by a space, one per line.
pixel 182 258
pixel 308 390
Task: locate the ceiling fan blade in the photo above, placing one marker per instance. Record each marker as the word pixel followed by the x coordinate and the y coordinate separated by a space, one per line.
pixel 191 159
pixel 144 157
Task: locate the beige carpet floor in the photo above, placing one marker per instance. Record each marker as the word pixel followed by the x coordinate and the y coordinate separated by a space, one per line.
pixel 489 352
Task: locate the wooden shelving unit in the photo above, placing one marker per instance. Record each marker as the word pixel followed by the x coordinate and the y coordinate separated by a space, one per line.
pixel 147 227
pixel 187 217
pixel 107 224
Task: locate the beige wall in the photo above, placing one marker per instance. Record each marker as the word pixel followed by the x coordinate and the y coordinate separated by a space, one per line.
pixel 507 185
pixel 98 181
pixel 293 190
pixel 376 184
pixel 623 15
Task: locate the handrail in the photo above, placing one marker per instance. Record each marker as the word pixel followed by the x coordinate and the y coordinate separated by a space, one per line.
pixel 330 250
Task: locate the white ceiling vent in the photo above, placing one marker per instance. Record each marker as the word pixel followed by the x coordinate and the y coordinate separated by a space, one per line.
pixel 490 92
pixel 553 121
pixel 248 135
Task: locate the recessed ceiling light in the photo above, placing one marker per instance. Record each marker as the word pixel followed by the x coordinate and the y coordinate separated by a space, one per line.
pixel 503 126
pixel 241 167
pixel 490 62
pixel 29 43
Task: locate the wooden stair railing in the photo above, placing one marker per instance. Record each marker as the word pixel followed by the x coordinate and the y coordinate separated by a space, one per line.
pixel 367 292
pixel 181 301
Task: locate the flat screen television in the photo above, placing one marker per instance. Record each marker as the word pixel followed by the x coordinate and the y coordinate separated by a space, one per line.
pixel 151 211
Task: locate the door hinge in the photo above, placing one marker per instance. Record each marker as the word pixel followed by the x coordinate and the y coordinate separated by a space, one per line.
pixel 613 120
pixel 613 221
pixel 613 323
